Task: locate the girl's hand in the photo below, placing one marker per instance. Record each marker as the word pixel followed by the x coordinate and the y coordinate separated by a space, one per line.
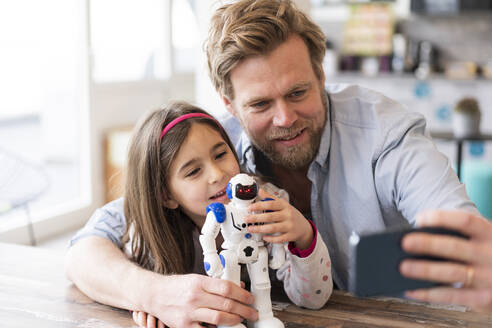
pixel 281 219
pixel 145 320
pixel 470 261
pixel 194 300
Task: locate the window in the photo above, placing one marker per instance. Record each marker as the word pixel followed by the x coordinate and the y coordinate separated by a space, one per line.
pixel 52 53
pixel 186 48
pixel 43 61
pixel 129 40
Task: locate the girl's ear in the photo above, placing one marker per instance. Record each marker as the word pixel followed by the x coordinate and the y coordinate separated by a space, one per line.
pixel 171 204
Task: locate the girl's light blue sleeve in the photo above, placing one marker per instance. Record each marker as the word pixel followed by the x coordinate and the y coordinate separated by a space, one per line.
pixel 107 222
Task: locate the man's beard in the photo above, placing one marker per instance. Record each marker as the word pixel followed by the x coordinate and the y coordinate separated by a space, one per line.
pixel 298 156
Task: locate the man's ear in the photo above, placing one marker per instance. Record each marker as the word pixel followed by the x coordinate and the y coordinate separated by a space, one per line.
pixel 322 79
pixel 228 105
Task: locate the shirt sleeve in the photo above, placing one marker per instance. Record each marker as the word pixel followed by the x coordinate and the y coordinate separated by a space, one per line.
pixel 274 190
pixel 411 174
pixel 107 222
pixel 307 280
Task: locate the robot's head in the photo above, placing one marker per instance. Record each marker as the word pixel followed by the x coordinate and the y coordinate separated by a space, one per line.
pixel 242 187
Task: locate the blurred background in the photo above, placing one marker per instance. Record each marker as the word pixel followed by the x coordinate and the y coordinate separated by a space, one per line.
pixel 75 75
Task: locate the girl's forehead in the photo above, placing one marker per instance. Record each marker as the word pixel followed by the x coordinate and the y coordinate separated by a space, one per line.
pixel 200 129
pixel 201 138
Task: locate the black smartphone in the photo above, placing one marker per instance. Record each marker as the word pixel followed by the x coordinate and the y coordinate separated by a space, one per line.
pixel 375 260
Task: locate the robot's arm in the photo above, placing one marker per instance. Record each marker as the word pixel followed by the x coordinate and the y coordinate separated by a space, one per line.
pixel 277 251
pixel 277 255
pixel 216 214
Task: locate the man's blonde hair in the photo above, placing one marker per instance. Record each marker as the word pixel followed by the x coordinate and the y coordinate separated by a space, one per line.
pixel 248 28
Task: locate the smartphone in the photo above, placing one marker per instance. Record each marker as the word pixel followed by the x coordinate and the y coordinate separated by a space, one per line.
pixel 375 260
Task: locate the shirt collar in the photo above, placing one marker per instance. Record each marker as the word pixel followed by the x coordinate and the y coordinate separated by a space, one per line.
pixel 324 146
pixel 246 149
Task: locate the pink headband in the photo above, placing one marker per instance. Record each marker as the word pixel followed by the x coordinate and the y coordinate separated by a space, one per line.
pixel 182 118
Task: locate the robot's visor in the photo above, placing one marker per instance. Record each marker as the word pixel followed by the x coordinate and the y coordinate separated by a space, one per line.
pixel 246 192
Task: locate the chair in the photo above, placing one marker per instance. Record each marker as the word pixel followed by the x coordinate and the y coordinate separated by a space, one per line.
pixel 21 182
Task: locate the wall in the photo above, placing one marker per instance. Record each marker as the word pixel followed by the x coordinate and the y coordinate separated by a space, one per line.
pixel 435 99
pixel 118 105
pixel 466 37
pixel 461 37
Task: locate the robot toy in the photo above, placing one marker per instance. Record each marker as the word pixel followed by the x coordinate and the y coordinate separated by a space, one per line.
pixel 240 247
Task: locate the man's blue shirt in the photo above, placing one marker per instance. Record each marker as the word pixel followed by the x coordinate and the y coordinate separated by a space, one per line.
pixel 376 168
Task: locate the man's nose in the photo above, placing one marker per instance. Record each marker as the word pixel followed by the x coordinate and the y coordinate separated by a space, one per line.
pixel 285 115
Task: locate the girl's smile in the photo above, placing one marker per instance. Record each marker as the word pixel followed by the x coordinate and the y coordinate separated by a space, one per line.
pixel 219 196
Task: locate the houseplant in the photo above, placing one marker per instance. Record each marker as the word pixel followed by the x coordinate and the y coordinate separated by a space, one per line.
pixel 466 118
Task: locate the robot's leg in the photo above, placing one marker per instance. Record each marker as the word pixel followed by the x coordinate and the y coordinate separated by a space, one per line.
pixel 260 288
pixel 232 269
pixel 232 272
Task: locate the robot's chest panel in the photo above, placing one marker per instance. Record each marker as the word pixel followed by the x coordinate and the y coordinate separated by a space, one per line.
pixel 236 220
pixel 236 234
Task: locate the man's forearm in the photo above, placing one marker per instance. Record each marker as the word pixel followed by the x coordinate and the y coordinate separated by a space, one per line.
pixel 103 272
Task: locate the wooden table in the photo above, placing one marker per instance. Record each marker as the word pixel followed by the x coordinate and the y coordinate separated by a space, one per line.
pixel 35 293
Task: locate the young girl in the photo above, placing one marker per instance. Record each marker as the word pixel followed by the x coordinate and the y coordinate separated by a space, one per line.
pixel 180 160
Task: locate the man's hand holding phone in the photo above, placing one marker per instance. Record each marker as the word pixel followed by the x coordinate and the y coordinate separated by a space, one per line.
pixel 376 259
pixel 468 262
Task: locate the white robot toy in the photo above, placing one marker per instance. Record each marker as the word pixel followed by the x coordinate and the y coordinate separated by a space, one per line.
pixel 239 247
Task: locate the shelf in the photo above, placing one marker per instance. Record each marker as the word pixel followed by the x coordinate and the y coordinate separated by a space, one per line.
pixel 406 76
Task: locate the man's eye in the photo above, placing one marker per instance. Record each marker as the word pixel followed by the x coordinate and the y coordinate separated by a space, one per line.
pixel 193 172
pixel 260 105
pixel 298 93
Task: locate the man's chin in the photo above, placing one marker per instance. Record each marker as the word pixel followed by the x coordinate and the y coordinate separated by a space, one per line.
pixel 295 165
pixel 293 159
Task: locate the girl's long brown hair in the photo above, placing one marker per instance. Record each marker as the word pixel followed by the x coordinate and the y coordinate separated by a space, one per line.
pixel 161 238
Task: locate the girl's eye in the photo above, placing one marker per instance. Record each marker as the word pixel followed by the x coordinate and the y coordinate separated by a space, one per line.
pixel 220 155
pixel 192 173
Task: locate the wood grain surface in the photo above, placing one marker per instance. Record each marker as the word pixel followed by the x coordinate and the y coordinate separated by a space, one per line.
pixel 35 293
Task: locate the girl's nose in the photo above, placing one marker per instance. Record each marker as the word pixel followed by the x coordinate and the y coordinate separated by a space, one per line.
pixel 216 174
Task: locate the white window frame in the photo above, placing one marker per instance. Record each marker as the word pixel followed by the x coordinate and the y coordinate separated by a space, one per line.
pixel 103 108
pixel 55 219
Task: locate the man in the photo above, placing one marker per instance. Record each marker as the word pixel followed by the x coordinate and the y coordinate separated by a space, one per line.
pixel 351 159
